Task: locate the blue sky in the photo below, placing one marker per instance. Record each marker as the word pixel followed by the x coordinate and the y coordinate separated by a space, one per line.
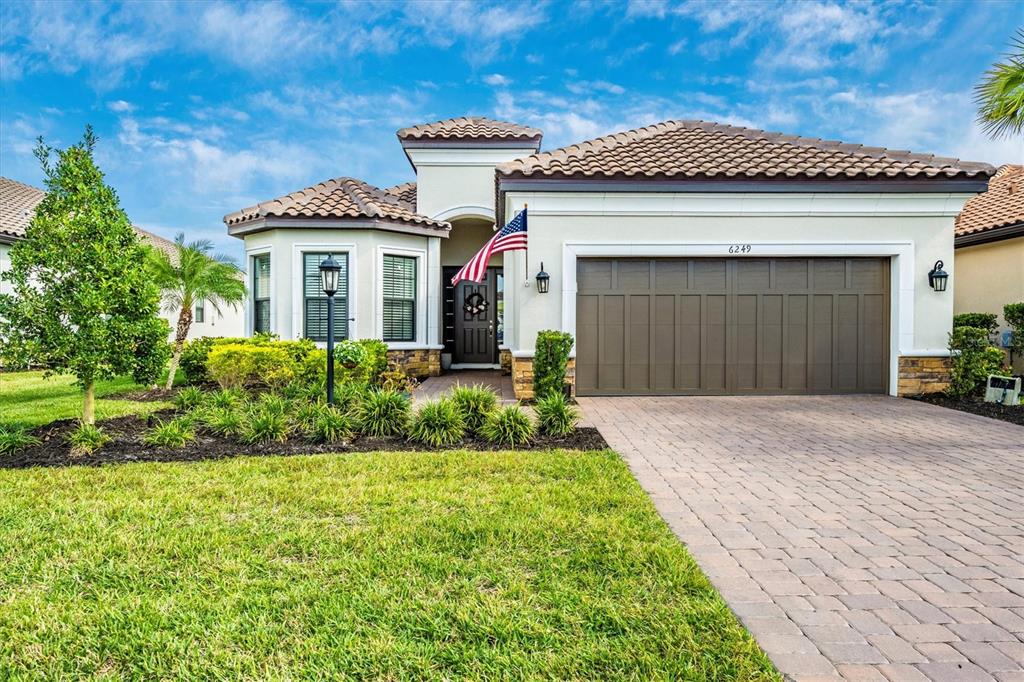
pixel 204 108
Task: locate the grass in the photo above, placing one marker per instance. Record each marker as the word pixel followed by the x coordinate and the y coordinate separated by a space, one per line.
pixel 27 399
pixel 390 566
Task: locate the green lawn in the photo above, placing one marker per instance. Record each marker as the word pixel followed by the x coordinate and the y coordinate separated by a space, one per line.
pixel 387 566
pixel 27 399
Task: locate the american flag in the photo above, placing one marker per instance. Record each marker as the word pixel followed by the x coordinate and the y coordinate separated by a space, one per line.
pixel 509 238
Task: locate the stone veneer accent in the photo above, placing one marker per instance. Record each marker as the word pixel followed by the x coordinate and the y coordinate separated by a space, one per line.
pixel 522 377
pixel 505 357
pixel 919 375
pixel 420 363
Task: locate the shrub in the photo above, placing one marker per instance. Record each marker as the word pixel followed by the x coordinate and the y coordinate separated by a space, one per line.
pixel 437 423
pixel 395 379
pixel 193 360
pixel 189 397
pixel 971 360
pixel 86 438
pixel 1013 313
pixel 384 413
pixel 349 396
pixel 986 321
pixel 274 403
pixel 549 362
pixel 226 398
pixel 172 434
pixel 223 421
pixel 475 404
pixel 15 438
pixel 349 352
pixel 238 365
pixel 375 360
pixel 508 426
pixel 555 416
pixel 265 426
pixel 329 425
pixel 196 355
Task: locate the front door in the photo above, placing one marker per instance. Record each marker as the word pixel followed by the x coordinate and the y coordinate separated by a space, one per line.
pixel 475 313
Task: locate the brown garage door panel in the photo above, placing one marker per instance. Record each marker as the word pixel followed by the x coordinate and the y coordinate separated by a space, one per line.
pixel 717 326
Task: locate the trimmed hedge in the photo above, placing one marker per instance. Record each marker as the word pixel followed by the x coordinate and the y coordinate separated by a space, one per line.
pixel 195 356
pixel 236 365
pixel 986 321
pixel 549 362
pixel 972 359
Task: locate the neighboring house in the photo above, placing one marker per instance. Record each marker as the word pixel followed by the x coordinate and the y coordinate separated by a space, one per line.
pixel 18 202
pixel 990 248
pixel 685 257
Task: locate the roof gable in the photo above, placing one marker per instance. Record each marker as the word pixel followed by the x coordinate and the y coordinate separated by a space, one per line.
pixel 699 149
pixel 477 129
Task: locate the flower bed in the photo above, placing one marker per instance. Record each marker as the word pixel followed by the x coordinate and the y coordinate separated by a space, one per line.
pixel 975 405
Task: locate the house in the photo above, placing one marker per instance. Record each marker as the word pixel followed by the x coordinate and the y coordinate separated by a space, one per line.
pixel 989 245
pixel 18 202
pixel 685 257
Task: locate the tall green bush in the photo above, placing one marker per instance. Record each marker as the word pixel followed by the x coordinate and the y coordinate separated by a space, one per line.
pixel 972 359
pixel 549 362
pixel 1013 313
pixel 986 321
pixel 237 365
pixel 196 353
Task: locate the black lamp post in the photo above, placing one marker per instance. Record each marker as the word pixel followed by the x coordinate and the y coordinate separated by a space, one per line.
pixel 543 279
pixel 938 277
pixel 330 270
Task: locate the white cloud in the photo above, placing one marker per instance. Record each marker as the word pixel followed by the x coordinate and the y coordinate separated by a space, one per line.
pixel 120 106
pixel 590 87
pixel 497 80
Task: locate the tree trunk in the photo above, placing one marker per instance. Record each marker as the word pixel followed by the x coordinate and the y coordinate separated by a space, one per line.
pixel 184 322
pixel 89 406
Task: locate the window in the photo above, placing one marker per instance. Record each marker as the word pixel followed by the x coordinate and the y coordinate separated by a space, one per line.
pixel 200 314
pixel 315 300
pixel 399 298
pixel 261 293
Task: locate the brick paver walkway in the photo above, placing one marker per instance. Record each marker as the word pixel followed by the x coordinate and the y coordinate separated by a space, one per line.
pixel 870 538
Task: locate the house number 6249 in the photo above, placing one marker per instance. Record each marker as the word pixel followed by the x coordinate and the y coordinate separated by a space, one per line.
pixel 739 248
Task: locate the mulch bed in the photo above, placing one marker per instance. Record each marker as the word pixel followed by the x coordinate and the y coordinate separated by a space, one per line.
pixel 126 445
pixel 149 395
pixel 975 405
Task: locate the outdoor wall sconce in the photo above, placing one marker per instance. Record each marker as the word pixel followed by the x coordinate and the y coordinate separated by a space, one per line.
pixel 543 280
pixel 937 277
pixel 330 270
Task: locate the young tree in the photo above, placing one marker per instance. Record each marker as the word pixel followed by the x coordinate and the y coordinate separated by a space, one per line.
pixel 83 303
pixel 1000 94
pixel 190 275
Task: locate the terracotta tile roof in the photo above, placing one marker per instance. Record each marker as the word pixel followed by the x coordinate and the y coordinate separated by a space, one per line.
pixel 338 198
pixel 699 149
pixel 18 202
pixel 470 128
pixel 406 193
pixel 1001 206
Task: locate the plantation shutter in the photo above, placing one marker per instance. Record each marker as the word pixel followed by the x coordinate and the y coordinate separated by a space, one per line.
pixel 399 298
pixel 315 312
pixel 261 293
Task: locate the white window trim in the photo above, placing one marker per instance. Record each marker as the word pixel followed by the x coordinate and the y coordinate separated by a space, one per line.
pixel 250 300
pixel 298 308
pixel 421 296
pixel 901 282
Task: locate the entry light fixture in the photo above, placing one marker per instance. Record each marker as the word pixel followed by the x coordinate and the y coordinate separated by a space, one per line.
pixel 938 277
pixel 543 280
pixel 330 270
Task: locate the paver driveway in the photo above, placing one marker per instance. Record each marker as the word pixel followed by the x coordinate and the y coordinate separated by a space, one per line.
pixel 866 537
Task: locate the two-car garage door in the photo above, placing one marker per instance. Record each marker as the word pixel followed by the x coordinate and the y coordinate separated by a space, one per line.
pixel 675 326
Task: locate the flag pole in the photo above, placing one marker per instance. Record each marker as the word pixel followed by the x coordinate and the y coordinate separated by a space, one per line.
pixel 526 258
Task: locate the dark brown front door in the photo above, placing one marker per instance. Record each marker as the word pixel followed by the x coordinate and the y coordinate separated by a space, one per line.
pixel 475 314
pixel 677 326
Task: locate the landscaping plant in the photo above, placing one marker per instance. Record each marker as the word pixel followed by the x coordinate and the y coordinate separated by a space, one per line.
pixel 1013 313
pixel 329 425
pixel 1000 95
pixel 384 413
pixel 193 275
pixel 223 421
pixel 508 426
pixel 549 362
pixel 189 398
pixel 986 321
pixel 437 424
pixel 475 404
pixel 175 433
pixel 349 396
pixel 14 438
pixel 555 416
pixel 82 302
pixel 972 359
pixel 86 438
pixel 227 398
pixel 262 425
pixel 238 365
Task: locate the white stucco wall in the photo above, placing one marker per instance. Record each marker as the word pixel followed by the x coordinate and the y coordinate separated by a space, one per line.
pixel 916 230
pixel 453 183
pixel 229 322
pixel 365 249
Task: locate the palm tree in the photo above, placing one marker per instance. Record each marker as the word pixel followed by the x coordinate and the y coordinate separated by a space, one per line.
pixel 190 274
pixel 1000 94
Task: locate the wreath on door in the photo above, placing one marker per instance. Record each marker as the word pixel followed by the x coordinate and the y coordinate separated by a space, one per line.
pixel 475 303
